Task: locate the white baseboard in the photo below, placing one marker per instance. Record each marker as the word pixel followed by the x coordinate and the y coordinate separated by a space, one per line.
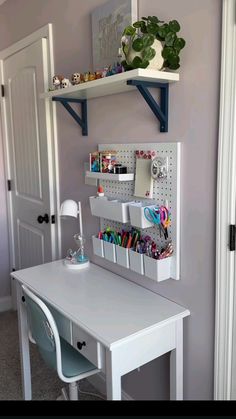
pixel 5 303
pixel 99 382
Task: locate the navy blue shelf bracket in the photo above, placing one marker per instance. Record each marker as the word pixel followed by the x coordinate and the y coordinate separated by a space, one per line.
pixel 160 111
pixel 83 120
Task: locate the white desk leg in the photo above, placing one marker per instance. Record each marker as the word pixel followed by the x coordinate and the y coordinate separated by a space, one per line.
pixel 24 346
pixel 113 378
pixel 176 365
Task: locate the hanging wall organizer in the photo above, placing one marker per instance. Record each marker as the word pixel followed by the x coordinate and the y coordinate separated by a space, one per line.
pixel 122 209
pixel 141 79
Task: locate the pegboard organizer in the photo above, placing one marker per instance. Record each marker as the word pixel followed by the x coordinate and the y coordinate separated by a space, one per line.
pixel 165 192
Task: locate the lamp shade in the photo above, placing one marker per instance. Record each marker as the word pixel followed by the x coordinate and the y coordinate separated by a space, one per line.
pixel 69 208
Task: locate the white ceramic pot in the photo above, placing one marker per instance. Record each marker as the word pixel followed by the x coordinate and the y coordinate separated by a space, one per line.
pixel 156 63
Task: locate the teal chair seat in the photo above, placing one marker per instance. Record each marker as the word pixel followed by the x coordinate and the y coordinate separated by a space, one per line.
pixel 73 363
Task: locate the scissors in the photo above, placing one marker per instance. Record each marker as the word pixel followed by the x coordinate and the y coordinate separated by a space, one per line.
pixel 153 215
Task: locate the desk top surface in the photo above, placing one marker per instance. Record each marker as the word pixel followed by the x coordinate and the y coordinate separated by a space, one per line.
pixel 106 305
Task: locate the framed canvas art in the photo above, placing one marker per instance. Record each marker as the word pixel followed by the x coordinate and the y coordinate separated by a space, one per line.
pixel 108 23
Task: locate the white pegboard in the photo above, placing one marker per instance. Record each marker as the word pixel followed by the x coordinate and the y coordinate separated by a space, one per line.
pixel 165 190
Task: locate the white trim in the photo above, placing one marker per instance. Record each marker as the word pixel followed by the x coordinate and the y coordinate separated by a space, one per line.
pixel 44 32
pixel 5 303
pixel 226 194
pixel 99 382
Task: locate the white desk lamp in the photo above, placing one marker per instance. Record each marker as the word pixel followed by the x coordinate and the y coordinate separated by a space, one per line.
pixel 76 260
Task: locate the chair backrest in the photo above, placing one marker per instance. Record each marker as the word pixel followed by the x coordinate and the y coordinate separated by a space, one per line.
pixel 43 330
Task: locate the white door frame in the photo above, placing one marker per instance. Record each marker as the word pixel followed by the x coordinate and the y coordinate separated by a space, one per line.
pixel 226 207
pixel 44 32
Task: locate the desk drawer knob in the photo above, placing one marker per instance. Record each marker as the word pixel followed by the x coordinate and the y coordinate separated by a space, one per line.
pixel 80 345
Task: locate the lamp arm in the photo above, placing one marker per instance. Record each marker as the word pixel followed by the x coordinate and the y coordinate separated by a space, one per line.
pixel 80 218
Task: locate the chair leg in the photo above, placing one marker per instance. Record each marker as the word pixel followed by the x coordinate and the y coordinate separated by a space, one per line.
pixel 73 391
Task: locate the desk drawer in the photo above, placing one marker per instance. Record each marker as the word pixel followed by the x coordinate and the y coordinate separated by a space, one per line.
pixel 87 345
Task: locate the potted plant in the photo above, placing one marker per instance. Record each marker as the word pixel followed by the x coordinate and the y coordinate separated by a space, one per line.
pixel 152 43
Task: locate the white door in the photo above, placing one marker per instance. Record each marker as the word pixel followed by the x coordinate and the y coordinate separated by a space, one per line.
pixel 25 75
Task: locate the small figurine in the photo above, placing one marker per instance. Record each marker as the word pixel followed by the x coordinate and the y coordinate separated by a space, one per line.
pixel 65 83
pixel 98 75
pixel 86 76
pixel 100 192
pixel 76 78
pixel 104 71
pixel 56 81
pixel 91 76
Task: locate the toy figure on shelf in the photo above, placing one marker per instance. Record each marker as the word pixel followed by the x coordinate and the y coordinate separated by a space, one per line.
pixel 98 75
pixel 56 81
pixel 104 71
pixel 86 77
pixel 76 78
pixel 91 76
pixel 65 83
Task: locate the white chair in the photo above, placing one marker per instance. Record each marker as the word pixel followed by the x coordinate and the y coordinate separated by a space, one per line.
pixel 70 365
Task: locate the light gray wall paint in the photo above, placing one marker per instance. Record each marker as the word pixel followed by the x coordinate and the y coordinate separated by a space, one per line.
pixel 125 118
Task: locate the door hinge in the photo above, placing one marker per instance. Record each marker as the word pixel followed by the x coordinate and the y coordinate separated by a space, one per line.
pixel 2 90
pixel 53 219
pixel 232 230
pixel 9 185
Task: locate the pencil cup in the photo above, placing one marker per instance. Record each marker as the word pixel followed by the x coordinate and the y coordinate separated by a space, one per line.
pixel 110 251
pixel 98 248
pixel 137 217
pixel 136 262
pixel 122 256
pixel 158 270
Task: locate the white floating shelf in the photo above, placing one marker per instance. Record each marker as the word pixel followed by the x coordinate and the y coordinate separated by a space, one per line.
pixel 112 84
pixel 126 177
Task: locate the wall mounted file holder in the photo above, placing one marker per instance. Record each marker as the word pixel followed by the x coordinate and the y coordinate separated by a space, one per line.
pixel 137 217
pixel 157 270
pixel 110 208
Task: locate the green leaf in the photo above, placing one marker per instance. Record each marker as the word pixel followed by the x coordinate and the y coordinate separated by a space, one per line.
pixel 174 66
pixel 179 43
pixel 174 59
pixel 144 18
pixel 170 39
pixel 129 30
pixel 166 52
pixel 148 53
pixel 137 61
pixel 139 24
pixel 148 40
pixel 126 66
pixel 174 26
pixel 163 31
pixel 154 19
pixel 143 29
pixel 144 64
pixel 152 28
pixel 138 44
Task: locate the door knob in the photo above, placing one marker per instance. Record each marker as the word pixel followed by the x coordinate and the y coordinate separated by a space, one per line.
pixel 42 219
pixel 80 345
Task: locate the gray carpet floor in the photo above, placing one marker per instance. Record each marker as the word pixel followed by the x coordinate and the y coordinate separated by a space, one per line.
pixel 45 382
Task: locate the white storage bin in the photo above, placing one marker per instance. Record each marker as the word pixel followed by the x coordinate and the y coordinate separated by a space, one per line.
pixel 110 251
pixel 122 256
pixel 137 217
pixel 136 262
pixel 109 208
pixel 98 248
pixel 158 270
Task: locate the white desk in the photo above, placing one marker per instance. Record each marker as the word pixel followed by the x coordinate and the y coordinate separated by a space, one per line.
pixel 124 325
